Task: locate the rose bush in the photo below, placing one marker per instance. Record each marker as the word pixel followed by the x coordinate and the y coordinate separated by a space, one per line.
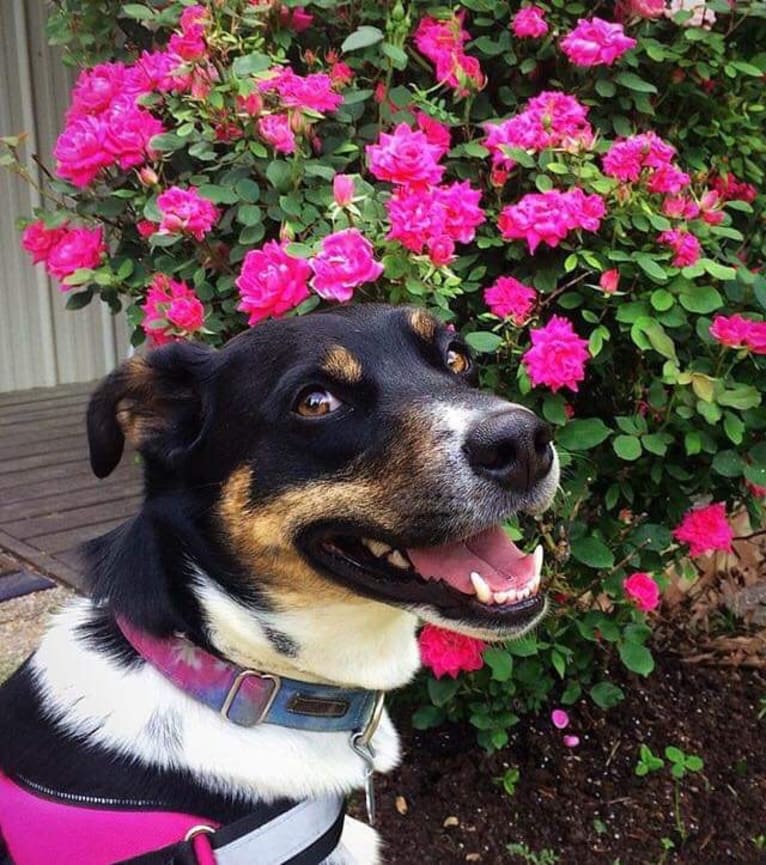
pixel 581 196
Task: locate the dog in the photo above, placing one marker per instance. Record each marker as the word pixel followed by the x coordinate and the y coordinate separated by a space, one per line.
pixel 313 490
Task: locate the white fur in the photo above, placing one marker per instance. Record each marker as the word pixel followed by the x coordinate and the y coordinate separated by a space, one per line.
pixel 376 648
pixel 123 710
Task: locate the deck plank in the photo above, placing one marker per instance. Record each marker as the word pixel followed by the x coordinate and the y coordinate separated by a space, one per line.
pixel 50 501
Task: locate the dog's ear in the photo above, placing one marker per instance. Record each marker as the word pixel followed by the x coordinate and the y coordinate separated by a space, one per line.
pixel 158 403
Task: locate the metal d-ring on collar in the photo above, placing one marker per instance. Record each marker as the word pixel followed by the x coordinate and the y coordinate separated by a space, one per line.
pixel 361 743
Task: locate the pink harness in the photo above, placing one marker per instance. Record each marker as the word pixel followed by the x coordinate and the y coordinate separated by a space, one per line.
pixel 45 827
pixel 37 831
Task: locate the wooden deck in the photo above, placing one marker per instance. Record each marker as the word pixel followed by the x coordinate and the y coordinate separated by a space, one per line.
pixel 50 500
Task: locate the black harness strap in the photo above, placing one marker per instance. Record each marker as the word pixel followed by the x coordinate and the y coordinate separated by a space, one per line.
pixel 183 852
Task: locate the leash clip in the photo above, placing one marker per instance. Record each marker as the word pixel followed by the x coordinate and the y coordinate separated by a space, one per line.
pixel 361 744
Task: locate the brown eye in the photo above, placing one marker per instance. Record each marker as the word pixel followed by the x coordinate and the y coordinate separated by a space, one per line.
pixel 458 361
pixel 316 402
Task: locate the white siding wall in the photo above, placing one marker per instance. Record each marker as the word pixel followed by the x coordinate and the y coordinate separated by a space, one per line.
pixel 41 343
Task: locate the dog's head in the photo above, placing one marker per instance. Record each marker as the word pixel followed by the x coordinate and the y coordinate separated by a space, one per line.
pixel 344 456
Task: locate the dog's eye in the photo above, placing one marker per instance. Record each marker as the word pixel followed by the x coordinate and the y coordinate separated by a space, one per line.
pixel 458 361
pixel 315 402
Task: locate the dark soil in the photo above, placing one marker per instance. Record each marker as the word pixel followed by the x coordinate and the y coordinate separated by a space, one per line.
pixel 586 806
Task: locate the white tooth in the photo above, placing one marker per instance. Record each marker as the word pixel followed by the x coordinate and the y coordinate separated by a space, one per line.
pixel 501 597
pixel 525 593
pixel 377 548
pixel 483 591
pixel 537 558
pixel 398 560
pixel 513 596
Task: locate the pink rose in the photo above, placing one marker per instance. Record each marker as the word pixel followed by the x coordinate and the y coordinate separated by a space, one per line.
pixel 405 157
pixel 441 41
pixel 686 248
pixel 80 152
pixel 145 228
pixel 186 211
pixel 341 74
pixel 441 251
pixel 38 239
pixel 639 9
pixel 251 104
pixel 738 332
pixel 96 89
pixel 275 130
pixel 705 529
pixel 171 310
pixel 609 280
pixel 314 92
pixel 186 313
pixel 595 42
pixel 189 45
pixel 271 282
pixel 437 133
pixel 128 134
pixel 731 189
pixel 549 216
pixel 343 189
pixel 643 591
pixel 344 262
pixel 297 19
pixel 77 249
pixel 450 653
pixel 558 355
pixel 529 22
pixel 509 298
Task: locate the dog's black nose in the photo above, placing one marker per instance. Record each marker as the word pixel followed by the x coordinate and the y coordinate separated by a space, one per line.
pixel 512 448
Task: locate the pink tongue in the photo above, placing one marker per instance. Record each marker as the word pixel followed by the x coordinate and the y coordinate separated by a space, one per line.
pixel 491 554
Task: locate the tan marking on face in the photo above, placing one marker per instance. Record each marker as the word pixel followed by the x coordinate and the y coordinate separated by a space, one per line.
pixel 138 413
pixel 262 536
pixel 423 324
pixel 340 363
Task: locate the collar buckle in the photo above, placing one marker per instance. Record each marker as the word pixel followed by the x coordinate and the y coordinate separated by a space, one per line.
pixel 270 679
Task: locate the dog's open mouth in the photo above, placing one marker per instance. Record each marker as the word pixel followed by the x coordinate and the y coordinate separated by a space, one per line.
pixel 483 577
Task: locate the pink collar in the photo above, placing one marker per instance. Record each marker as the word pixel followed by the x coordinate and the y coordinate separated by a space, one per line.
pixel 249 697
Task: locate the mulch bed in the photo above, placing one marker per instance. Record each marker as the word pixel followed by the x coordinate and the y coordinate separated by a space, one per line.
pixel 585 806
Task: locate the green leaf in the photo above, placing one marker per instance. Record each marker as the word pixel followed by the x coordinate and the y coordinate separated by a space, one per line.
pixel 657 336
pixel 662 300
pixel 500 661
pixel 655 443
pixel 633 82
pixel 483 341
pixel 756 475
pixel 700 298
pixel 280 175
pixel 592 552
pixel 362 37
pixel 743 396
pixel 166 142
pixel 248 190
pixel 79 299
pixel 554 409
pixel 650 267
pixel 728 464
pixel 637 658
pixel 605 88
pixel 249 214
pixel 427 717
pixel 734 427
pixel 137 12
pixel 606 695
pixel 582 435
pixel 627 447
pixel 694 763
pixel 523 647
pixel 719 271
pixel 441 691
pixel 218 194
pixel 675 755
pixel 250 63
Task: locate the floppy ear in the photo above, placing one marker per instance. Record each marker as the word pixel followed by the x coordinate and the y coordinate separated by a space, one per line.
pixel 158 403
